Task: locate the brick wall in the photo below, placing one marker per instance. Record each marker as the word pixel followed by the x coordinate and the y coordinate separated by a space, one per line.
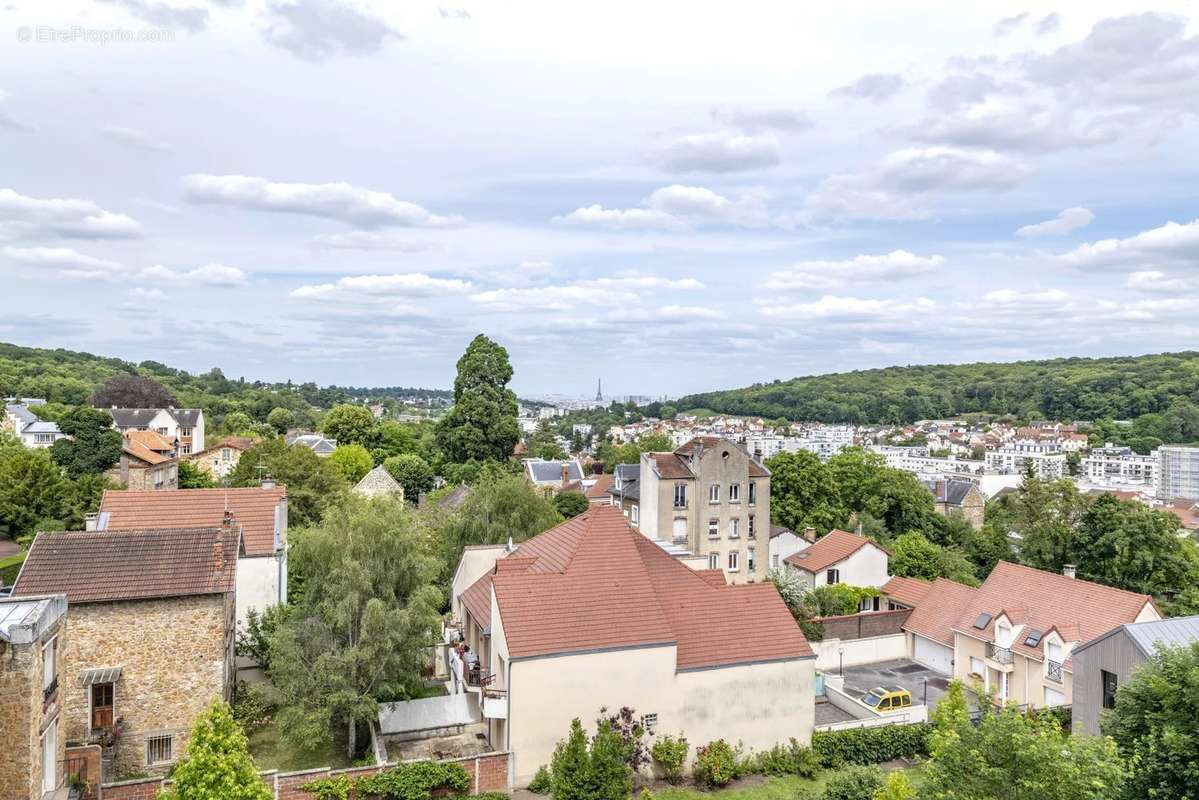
pixel 489 773
pixel 862 626
pixel 85 761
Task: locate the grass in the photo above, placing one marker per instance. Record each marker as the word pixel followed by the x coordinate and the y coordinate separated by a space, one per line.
pixel 9 567
pixel 271 752
pixel 762 788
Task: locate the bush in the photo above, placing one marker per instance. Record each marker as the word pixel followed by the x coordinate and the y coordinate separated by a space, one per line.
pixel 486 796
pixel 716 763
pixel 599 774
pixel 542 782
pixel 415 781
pixel 871 745
pixel 1061 714
pixel 253 706
pixel 670 754
pixel 790 759
pixel 855 783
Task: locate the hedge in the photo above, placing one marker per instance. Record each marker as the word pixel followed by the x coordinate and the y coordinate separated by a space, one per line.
pixel 9 567
pixel 414 781
pixel 871 745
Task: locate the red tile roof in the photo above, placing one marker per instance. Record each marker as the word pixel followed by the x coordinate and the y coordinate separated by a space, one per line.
pixel 599 489
pixel 834 546
pixel 908 591
pixel 937 613
pixel 670 466
pixel 1080 610
pixel 96 566
pixel 148 446
pixel 595 582
pixel 254 508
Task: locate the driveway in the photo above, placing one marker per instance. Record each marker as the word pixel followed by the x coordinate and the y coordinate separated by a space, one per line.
pixel 926 685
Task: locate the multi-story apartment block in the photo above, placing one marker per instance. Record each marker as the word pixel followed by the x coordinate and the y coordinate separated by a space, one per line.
pixel 713 498
pixel 1048 460
pixel 1177 472
pixel 184 425
pixel 1113 467
pixel 917 460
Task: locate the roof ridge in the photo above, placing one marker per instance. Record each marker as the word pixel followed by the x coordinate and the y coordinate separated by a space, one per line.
pixel 1075 581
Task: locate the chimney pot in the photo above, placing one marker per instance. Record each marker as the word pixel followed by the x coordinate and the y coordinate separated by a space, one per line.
pixel 90 522
pixel 267 482
pixel 809 534
pixel 1069 570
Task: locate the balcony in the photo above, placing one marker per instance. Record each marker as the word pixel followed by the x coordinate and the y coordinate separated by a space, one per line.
pixel 1000 657
pixel 495 703
pixel 1053 671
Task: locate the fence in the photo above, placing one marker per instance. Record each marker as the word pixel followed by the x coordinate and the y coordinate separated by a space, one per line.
pixel 864 625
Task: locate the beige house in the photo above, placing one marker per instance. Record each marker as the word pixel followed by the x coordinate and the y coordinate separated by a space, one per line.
pixel 151 618
pixel 713 498
pixel 149 462
pixel 593 614
pixel 379 483
pixel 32 637
pixel 222 458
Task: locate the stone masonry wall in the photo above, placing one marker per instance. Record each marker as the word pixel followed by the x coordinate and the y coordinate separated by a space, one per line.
pixel 175 659
pixel 25 715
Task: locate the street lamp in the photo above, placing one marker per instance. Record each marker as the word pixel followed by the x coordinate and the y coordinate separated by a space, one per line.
pixel 841 661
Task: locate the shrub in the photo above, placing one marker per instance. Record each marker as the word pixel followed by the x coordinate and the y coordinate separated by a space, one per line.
pixel 487 796
pixel 599 774
pixel 542 783
pixel 715 763
pixel 854 783
pixel 253 706
pixel 646 794
pixel 670 754
pixel 632 730
pixel 789 759
pixel 415 781
pixel 871 745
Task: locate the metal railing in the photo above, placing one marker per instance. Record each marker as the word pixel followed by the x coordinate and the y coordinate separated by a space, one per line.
pixel 1003 655
pixel 1053 671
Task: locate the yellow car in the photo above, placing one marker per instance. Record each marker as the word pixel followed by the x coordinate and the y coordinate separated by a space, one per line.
pixel 888 698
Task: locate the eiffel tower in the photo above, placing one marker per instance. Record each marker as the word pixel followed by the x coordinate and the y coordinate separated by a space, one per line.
pixel 599 390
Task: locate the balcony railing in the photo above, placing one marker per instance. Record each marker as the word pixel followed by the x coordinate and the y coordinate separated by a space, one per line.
pixel 1053 671
pixel 1002 655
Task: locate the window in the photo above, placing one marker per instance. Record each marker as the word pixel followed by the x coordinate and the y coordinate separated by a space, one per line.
pixel 102 694
pixel 714 493
pixel 752 532
pixel 751 563
pixel 1053 651
pixel 680 495
pixel 734 528
pixel 734 561
pixel 43 438
pixel 1003 636
pixel 774 560
pixel 158 479
pixel 50 667
pixel 161 431
pixel 976 666
pixel 713 560
pixel 753 492
pixel 1053 697
pixel 651 721
pixel 734 493
pixel 869 604
pixel 680 529
pixel 713 528
pixel 185 431
pixel 634 513
pixel 1109 684
pixel 158 748
pixel 185 449
pixel 226 454
pixel 833 576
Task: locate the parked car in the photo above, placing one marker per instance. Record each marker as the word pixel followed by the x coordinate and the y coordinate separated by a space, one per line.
pixel 888 698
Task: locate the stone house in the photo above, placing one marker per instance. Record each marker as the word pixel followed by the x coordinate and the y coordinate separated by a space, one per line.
pixel 954 495
pixel 221 458
pixel 32 638
pixel 593 614
pixel 149 462
pixel 151 618
pixel 379 483
pixel 259 511
pixel 713 498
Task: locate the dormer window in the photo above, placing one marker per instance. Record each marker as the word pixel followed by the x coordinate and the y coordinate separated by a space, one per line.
pixel 1003 634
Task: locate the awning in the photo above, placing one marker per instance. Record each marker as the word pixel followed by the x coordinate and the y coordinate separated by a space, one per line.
pixel 100 675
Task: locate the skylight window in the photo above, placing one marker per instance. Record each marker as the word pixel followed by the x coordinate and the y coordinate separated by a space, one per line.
pixel 984 619
pixel 1033 639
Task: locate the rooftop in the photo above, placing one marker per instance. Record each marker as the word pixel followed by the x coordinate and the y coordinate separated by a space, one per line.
pixel 24 619
pixel 835 546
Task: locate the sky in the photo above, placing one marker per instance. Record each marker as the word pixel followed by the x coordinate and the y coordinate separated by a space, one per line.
pixel 670 196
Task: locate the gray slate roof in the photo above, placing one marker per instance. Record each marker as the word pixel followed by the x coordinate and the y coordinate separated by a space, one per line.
pixel 949 491
pixel 629 476
pixel 551 471
pixel 1148 635
pixel 315 442
pixel 21 412
pixel 140 417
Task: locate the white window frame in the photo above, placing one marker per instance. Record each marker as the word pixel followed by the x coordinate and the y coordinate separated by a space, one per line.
pixel 977 667
pixel 751 562
pixel 49 744
pixel 832 576
pixel 634 514
pixel 735 528
pixel 714 493
pixel 734 561
pixel 159 737
pixel 753 492
pixel 680 495
pixel 49 666
pixel 734 493
pixel 713 560
pixel 713 528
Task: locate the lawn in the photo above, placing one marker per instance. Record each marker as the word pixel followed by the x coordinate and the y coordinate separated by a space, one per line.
pixel 757 787
pixel 10 566
pixel 270 752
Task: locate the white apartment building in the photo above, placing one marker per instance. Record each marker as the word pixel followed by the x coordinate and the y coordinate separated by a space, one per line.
pixel 1047 458
pixel 918 461
pixel 1177 472
pixel 1113 467
pixel 28 427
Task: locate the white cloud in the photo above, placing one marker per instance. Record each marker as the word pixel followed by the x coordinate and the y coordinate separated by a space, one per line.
pixel 719 151
pixel 786 120
pixel 216 275
pixel 140 293
pixel 1153 281
pixel 315 30
pixel 341 201
pixel 877 87
pixel 380 287
pixel 1170 243
pixel 10 123
pixel 896 265
pixel 676 207
pixel 132 137
pixel 641 282
pixel 620 291
pixel 65 262
pixel 66 217
pixel 621 218
pixel 1067 220
pixel 848 308
pixel 370 240
pixel 1015 297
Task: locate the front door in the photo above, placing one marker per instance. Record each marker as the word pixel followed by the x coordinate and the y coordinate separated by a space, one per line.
pixel 50 757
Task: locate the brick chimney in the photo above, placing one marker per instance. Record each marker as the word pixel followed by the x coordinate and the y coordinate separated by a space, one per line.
pixel 1069 570
pixel 809 534
pixel 218 554
pixel 228 521
pixel 565 473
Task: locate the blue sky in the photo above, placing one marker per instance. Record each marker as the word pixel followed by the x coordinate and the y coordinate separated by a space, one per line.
pixel 670 196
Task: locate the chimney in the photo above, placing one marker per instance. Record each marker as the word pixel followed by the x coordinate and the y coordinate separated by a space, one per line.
pixel 228 521
pixel 268 482
pixel 91 522
pixel 1068 570
pixel 565 473
pixel 218 555
pixel 809 534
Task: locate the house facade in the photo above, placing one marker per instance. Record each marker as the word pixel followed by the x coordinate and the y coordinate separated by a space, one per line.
pixel 22 422
pixel 841 557
pixel 547 639
pixel 149 462
pixel 1048 459
pixel 32 638
pixel 379 483
pixel 1177 473
pixel 151 620
pixel 625 492
pixel 260 512
pixel 221 458
pixel 713 498
pixel 182 425
pixel 956 496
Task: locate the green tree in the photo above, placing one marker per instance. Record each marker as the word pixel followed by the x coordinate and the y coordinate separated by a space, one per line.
pixel 31 487
pixel 217 763
pixel 281 419
pixel 350 424
pixel 194 477
pixel 351 461
pixel 94 445
pixel 1011 755
pixel 544 443
pixel 412 472
pixel 312 483
pixel 133 391
pixel 598 772
pixel 897 787
pixel 238 423
pixel 571 504
pixel 482 423
pixel 1045 516
pixel 802 493
pixel 1153 724
pixel 569 766
pixel 499 508
pixel 914 556
pixel 361 627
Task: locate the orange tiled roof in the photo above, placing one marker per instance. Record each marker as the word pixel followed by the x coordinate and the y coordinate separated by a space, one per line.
pixel 670 466
pixel 96 566
pixel 936 614
pixel 593 582
pixel 253 508
pixel 148 446
pixel 599 489
pixel 908 591
pixel 834 546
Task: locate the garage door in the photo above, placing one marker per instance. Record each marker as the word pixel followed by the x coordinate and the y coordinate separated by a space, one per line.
pixel 934 655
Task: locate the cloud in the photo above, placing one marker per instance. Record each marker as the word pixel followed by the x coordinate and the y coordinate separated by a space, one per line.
pixel 876 87
pixel 597 216
pixel 676 207
pixel 66 217
pixel 617 292
pixel 1009 24
pixel 140 293
pixel 132 137
pixel 10 123
pixel 752 121
pixel 360 288
pixel 1015 297
pixel 720 151
pixel 370 240
pixel 893 266
pixel 1154 281
pixel 65 262
pixel 192 19
pixel 315 30
pixel 1050 23
pixel 846 308
pixel 1067 220
pixel 1172 243
pixel 216 275
pixel 903 184
pixel 340 201
pixel 453 13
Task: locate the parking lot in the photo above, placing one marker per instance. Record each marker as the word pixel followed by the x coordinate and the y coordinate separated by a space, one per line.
pixel 926 685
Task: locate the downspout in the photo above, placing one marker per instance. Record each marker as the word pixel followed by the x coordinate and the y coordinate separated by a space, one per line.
pixel 508 727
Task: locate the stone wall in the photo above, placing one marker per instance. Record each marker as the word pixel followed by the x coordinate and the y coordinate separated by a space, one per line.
pixel 176 656
pixel 489 773
pixel 861 626
pixel 25 714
